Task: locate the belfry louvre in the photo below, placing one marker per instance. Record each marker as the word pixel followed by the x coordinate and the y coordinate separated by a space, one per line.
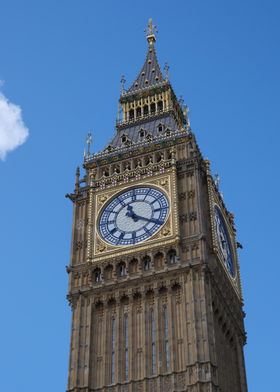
pixel 154 282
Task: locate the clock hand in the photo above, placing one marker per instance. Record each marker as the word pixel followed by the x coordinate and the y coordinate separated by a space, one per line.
pixel 153 220
pixel 131 214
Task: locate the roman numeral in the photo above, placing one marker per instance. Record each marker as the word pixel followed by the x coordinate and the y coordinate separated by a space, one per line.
pixel 120 238
pixel 121 202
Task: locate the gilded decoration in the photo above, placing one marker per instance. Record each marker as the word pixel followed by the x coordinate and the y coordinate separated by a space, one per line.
pixel 168 234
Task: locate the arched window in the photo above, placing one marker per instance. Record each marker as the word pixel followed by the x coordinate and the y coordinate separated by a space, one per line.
pixel 97 275
pixel 158 260
pixel 160 106
pixel 122 269
pixel 106 172
pixel 145 110
pixel 147 263
pixel 124 138
pixel 153 107
pixel 108 272
pixel 131 114
pixel 133 266
pixel 142 133
pixel 160 128
pixel 172 256
pixel 138 112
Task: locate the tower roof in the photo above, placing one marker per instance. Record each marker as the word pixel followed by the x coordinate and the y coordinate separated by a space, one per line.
pixel 150 74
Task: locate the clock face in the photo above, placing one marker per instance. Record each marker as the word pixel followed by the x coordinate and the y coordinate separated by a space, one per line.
pixel 224 241
pixel 133 216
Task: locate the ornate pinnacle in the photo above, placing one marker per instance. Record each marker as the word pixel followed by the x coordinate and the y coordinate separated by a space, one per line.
pixel 77 177
pixel 217 180
pixel 88 142
pixel 166 70
pixel 122 84
pixel 150 30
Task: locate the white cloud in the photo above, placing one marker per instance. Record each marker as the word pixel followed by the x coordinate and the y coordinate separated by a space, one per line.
pixel 13 131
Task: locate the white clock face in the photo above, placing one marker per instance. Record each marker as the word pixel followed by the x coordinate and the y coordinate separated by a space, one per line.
pixel 133 216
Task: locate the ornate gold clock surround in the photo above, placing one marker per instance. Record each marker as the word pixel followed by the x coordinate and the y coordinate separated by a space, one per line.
pixel 168 234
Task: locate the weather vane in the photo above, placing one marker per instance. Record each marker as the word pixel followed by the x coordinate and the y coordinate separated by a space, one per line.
pixel 166 70
pixel 150 31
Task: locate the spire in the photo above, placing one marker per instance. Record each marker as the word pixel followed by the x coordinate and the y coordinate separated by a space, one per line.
pixel 150 74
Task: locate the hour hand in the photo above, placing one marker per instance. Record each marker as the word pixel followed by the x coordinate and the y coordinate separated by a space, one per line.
pixel 131 214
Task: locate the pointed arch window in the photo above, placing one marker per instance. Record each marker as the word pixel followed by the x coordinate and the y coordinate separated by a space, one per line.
pixel 97 275
pixel 142 134
pixel 145 110
pixel 160 106
pixel 153 107
pixel 124 138
pixel 138 112
pixel 172 256
pixel 147 263
pixel 131 114
pixel 160 128
pixel 122 270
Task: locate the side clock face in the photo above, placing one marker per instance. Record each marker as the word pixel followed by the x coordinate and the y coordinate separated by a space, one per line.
pixel 224 241
pixel 133 216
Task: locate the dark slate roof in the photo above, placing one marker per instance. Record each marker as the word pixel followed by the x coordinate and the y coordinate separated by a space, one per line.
pixel 150 126
pixel 150 74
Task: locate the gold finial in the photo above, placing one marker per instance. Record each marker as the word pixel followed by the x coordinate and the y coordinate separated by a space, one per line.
pixel 150 30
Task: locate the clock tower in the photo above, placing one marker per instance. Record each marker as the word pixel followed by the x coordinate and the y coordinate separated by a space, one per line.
pixel 154 281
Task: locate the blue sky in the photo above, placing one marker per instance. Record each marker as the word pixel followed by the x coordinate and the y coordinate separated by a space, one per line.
pixel 61 62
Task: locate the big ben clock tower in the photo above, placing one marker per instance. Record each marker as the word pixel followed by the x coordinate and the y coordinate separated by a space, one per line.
pixel 154 281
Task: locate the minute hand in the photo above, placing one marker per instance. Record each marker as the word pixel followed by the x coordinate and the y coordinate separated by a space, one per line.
pixel 153 220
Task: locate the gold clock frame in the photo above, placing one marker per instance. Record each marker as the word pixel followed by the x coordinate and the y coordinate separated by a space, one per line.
pixel 167 234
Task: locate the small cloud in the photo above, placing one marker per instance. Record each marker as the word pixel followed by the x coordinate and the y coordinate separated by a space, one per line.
pixel 13 131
